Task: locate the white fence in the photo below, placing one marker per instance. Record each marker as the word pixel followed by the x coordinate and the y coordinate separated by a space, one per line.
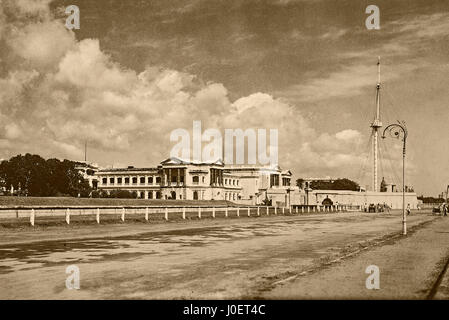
pixel 146 213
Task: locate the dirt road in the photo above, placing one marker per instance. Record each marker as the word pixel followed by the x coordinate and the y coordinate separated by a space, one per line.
pixel 235 258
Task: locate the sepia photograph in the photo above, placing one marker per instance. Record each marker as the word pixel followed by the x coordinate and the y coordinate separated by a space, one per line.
pixel 224 151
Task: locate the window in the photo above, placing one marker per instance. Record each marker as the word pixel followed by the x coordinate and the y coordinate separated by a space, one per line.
pixel 127 180
pixel 111 180
pixel 150 180
pixel 195 195
pixel 142 180
pixel 134 180
pixel 196 179
pixel 158 195
pixel 119 180
pixel 174 179
pixel 104 181
pixel 158 180
pixel 203 179
pixel 150 194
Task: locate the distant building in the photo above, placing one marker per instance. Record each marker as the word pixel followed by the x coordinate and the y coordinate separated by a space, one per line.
pixel 181 180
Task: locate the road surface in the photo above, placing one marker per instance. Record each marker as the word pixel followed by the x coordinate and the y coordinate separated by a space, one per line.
pixel 310 256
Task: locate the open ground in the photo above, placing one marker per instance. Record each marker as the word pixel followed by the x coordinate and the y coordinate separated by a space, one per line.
pixel 300 256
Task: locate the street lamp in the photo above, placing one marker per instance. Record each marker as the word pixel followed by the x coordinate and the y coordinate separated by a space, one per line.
pixel 398 130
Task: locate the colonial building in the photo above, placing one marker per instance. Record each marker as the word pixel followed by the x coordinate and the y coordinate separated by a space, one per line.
pixel 176 179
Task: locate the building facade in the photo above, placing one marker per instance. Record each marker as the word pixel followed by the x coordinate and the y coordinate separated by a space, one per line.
pixel 180 180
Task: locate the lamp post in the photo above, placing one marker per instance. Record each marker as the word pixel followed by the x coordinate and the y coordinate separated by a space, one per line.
pixel 398 130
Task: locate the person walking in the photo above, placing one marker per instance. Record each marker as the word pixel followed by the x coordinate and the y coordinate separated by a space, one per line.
pixel 445 210
pixel 408 209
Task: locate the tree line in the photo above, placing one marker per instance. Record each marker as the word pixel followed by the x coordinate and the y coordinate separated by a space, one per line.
pixel 338 184
pixel 32 175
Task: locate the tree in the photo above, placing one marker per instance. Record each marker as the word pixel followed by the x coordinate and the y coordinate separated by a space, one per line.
pixel 339 184
pixel 42 178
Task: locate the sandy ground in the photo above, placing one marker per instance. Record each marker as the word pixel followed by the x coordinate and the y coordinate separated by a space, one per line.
pixel 234 258
pixel 408 270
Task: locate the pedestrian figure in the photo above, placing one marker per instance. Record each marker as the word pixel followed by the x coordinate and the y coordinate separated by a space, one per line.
pixel 445 210
pixel 408 209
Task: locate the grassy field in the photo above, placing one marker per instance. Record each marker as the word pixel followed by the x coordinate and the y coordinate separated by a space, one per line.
pixel 67 201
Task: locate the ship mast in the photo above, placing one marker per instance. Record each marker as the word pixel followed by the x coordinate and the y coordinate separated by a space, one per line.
pixel 376 125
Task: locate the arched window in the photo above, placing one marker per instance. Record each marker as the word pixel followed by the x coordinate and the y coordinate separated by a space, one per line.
pixel 196 179
pixel 173 195
pixel 195 195
pixel 158 195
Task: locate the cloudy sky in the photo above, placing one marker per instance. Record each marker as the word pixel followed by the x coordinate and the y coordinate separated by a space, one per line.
pixel 136 70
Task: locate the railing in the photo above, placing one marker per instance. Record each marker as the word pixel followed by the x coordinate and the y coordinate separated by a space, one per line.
pixel 147 213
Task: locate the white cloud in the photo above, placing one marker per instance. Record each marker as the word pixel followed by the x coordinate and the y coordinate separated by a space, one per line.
pixel 66 92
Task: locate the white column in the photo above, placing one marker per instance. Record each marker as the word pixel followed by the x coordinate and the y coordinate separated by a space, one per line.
pixel 258 211
pixel 98 216
pixel 67 216
pixel 123 214
pixel 226 212
pixel 268 211
pixel 238 212
pixel 213 212
pixel 249 212
pixel 283 210
pixel 184 213
pixel 199 212
pixel 146 213
pixel 166 214
pixel 275 210
pixel 32 217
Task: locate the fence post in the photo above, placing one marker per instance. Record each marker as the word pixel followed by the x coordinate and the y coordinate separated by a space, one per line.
pixel 268 211
pixel 275 210
pixel 67 216
pixel 249 212
pixel 238 212
pixel 32 217
pixel 313 209
pixel 308 209
pixel 302 209
pixel 98 215
pixel 213 212
pixel 183 213
pixel 290 209
pixel 296 209
pixel 199 212
pixel 146 214
pixel 283 210
pixel 226 212
pixel 258 211
pixel 166 214
pixel 123 214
